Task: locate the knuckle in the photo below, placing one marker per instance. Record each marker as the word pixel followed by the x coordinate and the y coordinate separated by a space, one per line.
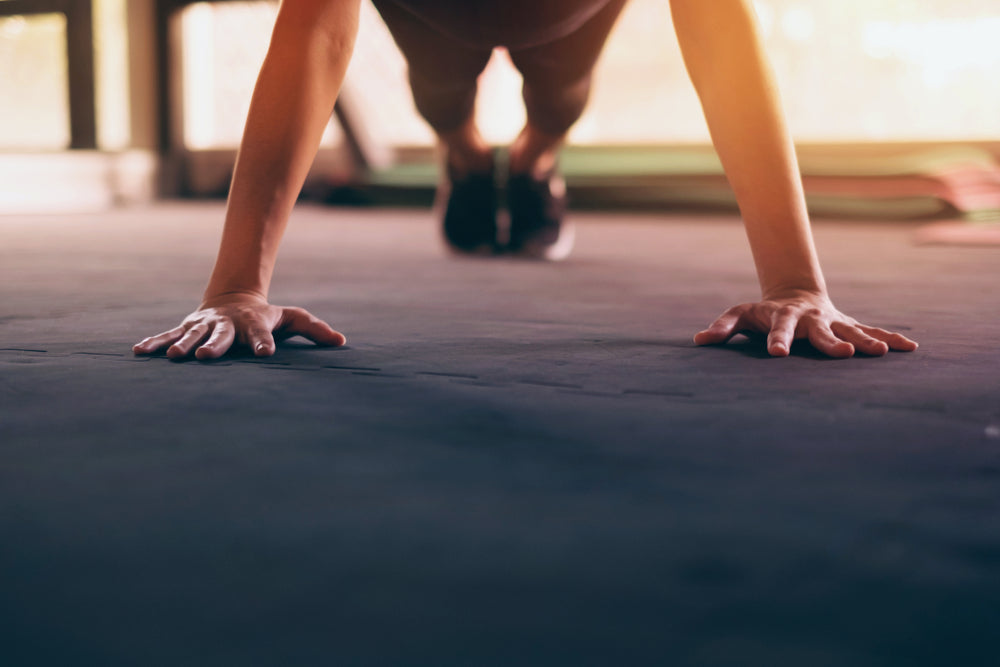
pixel 818 333
pixel 786 311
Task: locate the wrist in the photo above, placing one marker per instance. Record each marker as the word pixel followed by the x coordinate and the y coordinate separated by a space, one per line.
pixel 804 284
pixel 213 298
pixel 792 292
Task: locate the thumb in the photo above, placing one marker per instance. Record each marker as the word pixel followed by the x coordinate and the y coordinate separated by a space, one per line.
pixel 300 322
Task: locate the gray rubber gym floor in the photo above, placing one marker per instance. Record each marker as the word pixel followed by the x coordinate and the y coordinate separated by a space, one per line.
pixel 510 463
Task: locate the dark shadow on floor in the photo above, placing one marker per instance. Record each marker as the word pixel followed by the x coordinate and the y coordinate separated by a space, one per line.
pixel 508 464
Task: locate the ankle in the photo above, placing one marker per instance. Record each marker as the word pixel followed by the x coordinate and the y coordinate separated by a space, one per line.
pixel 533 153
pixel 465 150
pixel 534 165
pixel 468 159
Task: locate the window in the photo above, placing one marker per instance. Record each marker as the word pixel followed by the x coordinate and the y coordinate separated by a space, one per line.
pixel 34 89
pixel 854 70
pixel 223 46
pixel 38 76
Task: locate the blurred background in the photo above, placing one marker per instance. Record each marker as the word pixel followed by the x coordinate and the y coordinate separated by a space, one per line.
pixel 894 105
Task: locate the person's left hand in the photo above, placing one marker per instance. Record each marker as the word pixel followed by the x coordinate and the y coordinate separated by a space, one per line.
pixel 796 315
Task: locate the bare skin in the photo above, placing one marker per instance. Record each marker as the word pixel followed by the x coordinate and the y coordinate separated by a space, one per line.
pixel 534 152
pixel 211 330
pixel 725 58
pixel 292 102
pixel 464 148
pixel 296 89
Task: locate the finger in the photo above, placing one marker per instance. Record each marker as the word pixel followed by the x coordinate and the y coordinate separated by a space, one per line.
pixel 188 341
pixel 895 341
pixel 823 340
pixel 861 341
pixel 779 340
pixel 154 343
pixel 219 342
pixel 722 329
pixel 259 338
pixel 300 322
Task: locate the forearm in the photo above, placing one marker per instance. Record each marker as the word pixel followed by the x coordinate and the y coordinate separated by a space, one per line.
pixel 726 61
pixel 291 105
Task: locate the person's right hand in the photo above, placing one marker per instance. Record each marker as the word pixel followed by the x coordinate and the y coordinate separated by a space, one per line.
pixel 211 330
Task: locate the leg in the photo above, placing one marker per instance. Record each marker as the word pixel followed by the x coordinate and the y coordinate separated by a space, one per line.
pixel 443 75
pixel 465 149
pixel 557 81
pixel 557 78
pixel 534 151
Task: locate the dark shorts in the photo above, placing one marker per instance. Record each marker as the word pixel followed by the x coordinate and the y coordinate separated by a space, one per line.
pixel 553 43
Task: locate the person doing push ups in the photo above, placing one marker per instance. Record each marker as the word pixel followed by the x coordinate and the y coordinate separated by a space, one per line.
pixel 554 44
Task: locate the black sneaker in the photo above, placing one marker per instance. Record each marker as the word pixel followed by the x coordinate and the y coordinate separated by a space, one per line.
pixel 470 211
pixel 537 210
